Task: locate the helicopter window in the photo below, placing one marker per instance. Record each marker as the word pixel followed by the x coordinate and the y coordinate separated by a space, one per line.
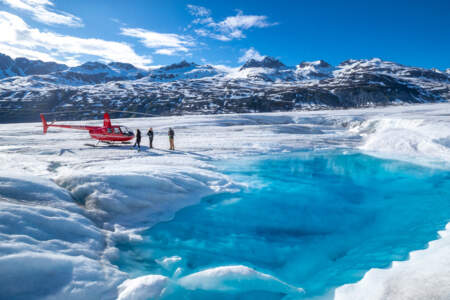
pixel 109 130
pixel 125 130
pixel 117 130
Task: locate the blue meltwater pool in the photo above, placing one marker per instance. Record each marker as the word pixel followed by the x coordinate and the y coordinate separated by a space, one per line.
pixel 311 220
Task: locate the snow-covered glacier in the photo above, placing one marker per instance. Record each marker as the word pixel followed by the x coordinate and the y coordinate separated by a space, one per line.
pixel 343 204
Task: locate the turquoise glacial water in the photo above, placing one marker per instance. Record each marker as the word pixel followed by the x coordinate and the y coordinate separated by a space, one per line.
pixel 313 220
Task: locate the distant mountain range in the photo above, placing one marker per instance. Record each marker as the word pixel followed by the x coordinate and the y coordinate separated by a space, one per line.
pixel 28 87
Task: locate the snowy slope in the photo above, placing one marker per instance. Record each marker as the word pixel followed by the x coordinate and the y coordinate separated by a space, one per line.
pixel 182 71
pixel 403 280
pixel 98 197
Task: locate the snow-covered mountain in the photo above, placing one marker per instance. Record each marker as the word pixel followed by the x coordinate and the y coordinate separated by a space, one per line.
pixel 188 88
pixel 315 69
pixel 181 71
pixel 266 62
pixel 95 72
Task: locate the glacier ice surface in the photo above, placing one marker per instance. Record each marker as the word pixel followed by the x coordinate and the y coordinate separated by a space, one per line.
pixel 66 207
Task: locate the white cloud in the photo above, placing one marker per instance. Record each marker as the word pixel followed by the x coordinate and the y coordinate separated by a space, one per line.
pixel 198 11
pixel 165 43
pixel 204 32
pixel 251 54
pixel 18 39
pixel 30 54
pixel 226 69
pixel 241 21
pixel 207 20
pixel 41 11
pixel 231 28
pixel 166 51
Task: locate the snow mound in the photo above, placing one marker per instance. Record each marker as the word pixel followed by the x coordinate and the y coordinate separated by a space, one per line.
pixel 142 288
pixel 418 140
pixel 235 278
pixel 48 248
pixel 141 197
pixel 20 188
pixel 426 275
pixel 44 274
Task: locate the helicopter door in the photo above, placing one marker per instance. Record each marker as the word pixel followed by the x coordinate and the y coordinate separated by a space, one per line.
pixel 117 130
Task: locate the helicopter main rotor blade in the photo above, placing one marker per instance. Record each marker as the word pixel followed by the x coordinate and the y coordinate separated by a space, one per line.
pixel 131 112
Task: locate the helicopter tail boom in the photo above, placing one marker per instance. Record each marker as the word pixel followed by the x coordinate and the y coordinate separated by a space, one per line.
pixel 44 124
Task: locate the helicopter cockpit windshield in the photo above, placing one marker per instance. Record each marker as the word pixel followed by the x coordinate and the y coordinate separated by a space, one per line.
pixel 126 130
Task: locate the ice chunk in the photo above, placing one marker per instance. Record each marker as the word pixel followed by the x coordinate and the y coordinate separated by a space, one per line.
pixel 143 288
pixel 168 262
pixel 235 278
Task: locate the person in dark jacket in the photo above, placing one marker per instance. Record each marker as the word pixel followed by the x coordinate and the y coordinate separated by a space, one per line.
pixel 150 137
pixel 138 139
pixel 171 138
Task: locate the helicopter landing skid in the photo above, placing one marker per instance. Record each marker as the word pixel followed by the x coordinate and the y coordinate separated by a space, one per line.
pixel 108 143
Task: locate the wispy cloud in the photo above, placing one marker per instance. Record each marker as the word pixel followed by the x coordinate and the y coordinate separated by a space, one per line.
pixel 230 28
pixel 198 11
pixel 207 33
pixel 164 43
pixel 241 21
pixel 17 38
pixel 251 54
pixel 42 11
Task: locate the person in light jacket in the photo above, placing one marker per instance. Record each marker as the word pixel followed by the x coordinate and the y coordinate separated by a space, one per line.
pixel 171 139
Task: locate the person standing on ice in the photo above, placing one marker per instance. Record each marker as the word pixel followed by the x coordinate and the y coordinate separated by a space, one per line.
pixel 138 140
pixel 150 137
pixel 171 138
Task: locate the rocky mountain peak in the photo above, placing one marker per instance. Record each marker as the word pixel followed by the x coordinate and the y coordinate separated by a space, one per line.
pixel 318 69
pixel 22 66
pixel 35 67
pixel 5 61
pixel 317 64
pixel 181 65
pixel 92 65
pixel 266 62
pixel 348 62
pixel 122 66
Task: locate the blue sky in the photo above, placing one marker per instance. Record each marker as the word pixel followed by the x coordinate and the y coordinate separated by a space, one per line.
pixel 150 33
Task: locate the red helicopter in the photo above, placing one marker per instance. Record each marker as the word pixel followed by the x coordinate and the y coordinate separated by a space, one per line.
pixel 106 133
